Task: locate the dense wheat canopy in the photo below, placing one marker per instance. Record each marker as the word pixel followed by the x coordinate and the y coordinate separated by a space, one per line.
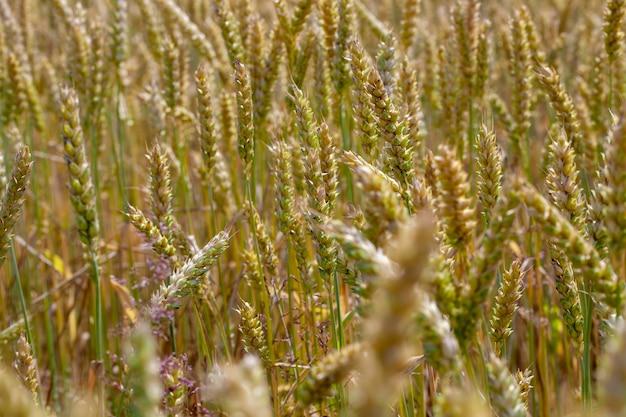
pixel 312 208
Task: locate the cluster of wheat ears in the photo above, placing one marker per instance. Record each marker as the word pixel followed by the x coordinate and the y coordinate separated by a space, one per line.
pixel 312 208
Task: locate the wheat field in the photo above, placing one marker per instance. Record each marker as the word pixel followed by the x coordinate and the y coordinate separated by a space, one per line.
pixel 357 208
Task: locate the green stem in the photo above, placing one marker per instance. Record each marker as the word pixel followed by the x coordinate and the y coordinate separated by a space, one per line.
pixel 16 272
pixel 340 339
pixel 95 275
pixel 213 232
pixel 20 291
pixel 93 131
pixel 337 332
pixel 345 141
pixel 120 403
pixel 585 361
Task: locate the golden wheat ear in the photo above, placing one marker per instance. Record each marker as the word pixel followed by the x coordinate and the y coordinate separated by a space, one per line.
pixel 241 389
pixel 384 363
pixel 334 368
pixel 14 197
pixel 15 399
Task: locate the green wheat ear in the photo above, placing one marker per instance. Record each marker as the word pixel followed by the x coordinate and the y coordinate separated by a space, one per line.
pixel 245 117
pixel 81 188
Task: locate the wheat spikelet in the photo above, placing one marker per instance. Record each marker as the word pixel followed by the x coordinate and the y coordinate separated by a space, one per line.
pixel 409 23
pixel 241 389
pixel 449 88
pixel 521 71
pixel 509 293
pixel 485 263
pixel 583 256
pixel 386 331
pixel 524 380
pixel 160 243
pixel 384 207
pixel 332 369
pixel 465 17
pixel 414 115
pixel 230 31
pixel 26 367
pixel 612 186
pixel 387 65
pixel 254 340
pixel 329 16
pixel 563 183
pixel 363 107
pixel 453 205
pixel 161 200
pixel 14 196
pixel 245 117
pixel 398 158
pixel 17 104
pixel 208 134
pixel 79 46
pixel 12 332
pixel 269 76
pixel 483 70
pixel 289 217
pixel 301 11
pixel 441 348
pixel 252 269
pixel 310 146
pixel 98 77
pixel 532 34
pixel 504 391
pixel 347 27
pixel 81 188
pixel 269 257
pixel 153 29
pixel 174 387
pixel 613 33
pixel 567 287
pixel 489 182
pixel 191 30
pixel 14 399
pixel 564 107
pixel 119 40
pixel 190 275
